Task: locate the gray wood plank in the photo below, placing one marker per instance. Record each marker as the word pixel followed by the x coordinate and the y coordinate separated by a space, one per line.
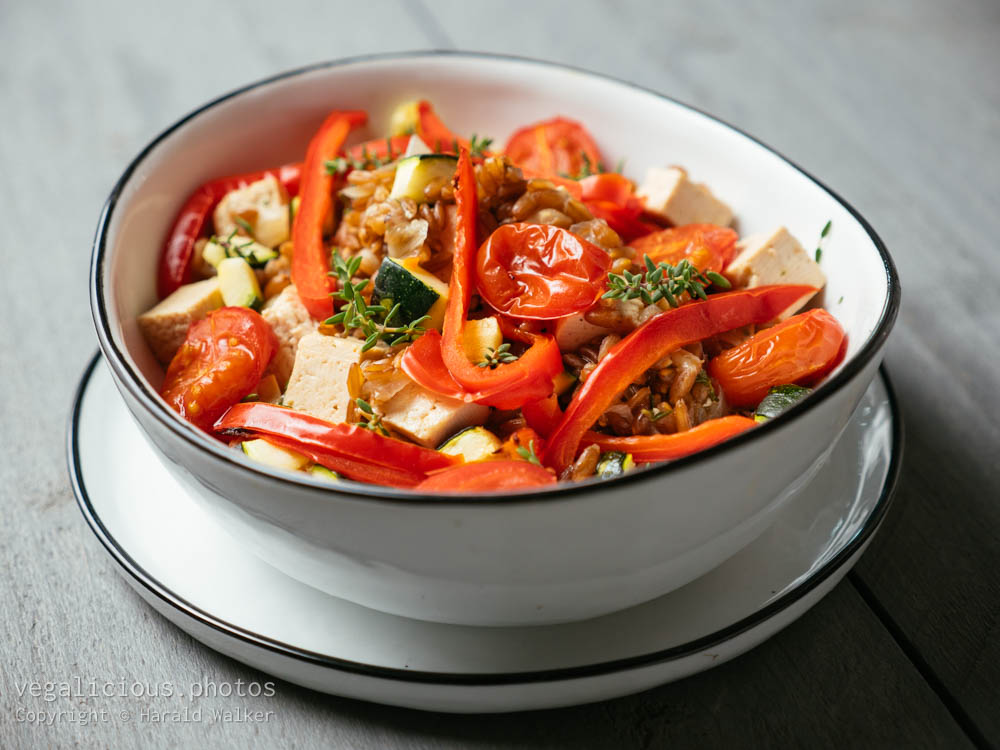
pixel 897 106
pixel 834 678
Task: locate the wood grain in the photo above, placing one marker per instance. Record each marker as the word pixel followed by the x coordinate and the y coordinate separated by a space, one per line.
pixel 896 105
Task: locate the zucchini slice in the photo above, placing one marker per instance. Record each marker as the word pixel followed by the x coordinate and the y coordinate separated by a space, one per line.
pixel 238 283
pixel 271 455
pixel 614 464
pixel 472 444
pixel 415 172
pixel 254 253
pixel 418 292
pixel 323 473
pixel 779 398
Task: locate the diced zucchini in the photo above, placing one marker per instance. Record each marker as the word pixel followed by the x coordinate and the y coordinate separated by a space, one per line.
pixel 238 283
pixel 405 118
pixel 254 253
pixel 415 172
pixel 273 456
pixel 778 399
pixel 418 292
pixel 614 464
pixel 481 338
pixel 563 382
pixel 321 472
pixel 214 253
pixel 472 444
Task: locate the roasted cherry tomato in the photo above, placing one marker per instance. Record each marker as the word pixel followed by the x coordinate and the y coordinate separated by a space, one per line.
pixel 801 350
pixel 708 247
pixel 611 187
pixel 483 476
pixel 220 361
pixel 540 271
pixel 557 147
pixel 611 197
pixel 624 220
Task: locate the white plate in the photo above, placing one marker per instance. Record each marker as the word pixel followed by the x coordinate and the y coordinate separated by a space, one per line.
pixel 202 579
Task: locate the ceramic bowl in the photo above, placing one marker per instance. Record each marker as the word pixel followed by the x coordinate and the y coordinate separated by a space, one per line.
pixel 563 554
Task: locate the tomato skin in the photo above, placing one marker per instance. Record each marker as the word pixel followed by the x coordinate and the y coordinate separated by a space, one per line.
pixel 624 220
pixel 553 147
pixel 800 350
pixel 220 361
pixel 483 476
pixel 611 187
pixel 540 271
pixel 611 197
pixel 708 247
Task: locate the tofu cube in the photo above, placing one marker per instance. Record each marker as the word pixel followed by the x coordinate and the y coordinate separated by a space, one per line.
pixel 667 191
pixel 318 384
pixel 774 258
pixel 429 418
pixel 290 321
pixel 165 325
pixel 260 204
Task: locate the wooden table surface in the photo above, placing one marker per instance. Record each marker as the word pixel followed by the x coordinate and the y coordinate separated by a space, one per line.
pixel 896 105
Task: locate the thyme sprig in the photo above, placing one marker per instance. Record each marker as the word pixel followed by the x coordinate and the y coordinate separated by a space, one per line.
pixel 663 281
pixel 228 244
pixel 528 454
pixel 496 357
pixel 478 146
pixel 587 168
pixel 368 160
pixel 372 420
pixel 375 321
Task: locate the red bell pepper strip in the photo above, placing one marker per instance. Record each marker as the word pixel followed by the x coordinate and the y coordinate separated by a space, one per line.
pixel 650 342
pixel 380 458
pixel 350 467
pixel 543 415
pixel 175 258
pixel 483 476
pixel 380 148
pixel 650 448
pixel 435 133
pixel 310 259
pixel 507 386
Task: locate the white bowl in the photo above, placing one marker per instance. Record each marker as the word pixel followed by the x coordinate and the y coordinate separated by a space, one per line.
pixel 562 554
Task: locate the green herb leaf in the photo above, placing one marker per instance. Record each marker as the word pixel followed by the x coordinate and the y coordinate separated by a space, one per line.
pixel 528 454
pixel 663 281
pixel 244 225
pixel 495 358
pixel 478 146
pixel 823 233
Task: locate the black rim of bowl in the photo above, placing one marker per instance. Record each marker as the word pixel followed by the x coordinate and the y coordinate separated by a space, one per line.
pixel 134 570
pixel 141 390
